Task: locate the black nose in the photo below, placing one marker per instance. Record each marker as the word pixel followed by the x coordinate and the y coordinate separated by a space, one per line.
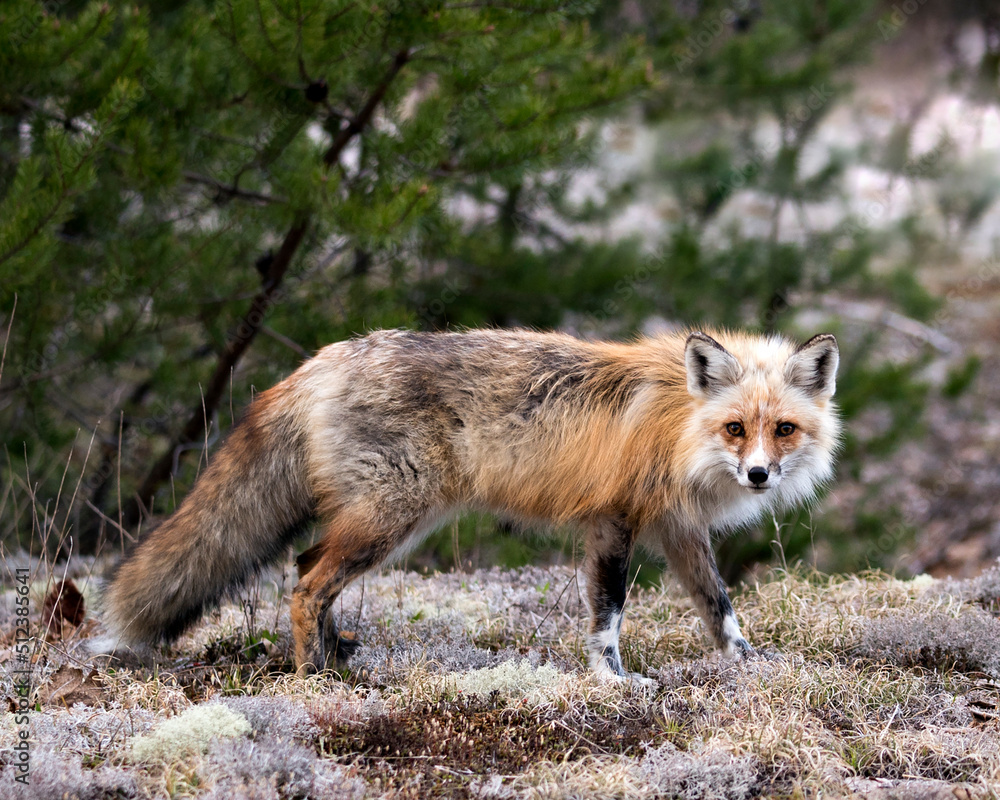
pixel 757 475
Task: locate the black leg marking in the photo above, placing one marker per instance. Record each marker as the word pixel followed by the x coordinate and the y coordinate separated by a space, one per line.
pixel 607 584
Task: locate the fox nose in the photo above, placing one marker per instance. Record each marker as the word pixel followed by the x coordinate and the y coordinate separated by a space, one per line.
pixel 757 475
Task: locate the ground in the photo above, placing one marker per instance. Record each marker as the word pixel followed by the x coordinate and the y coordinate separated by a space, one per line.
pixel 474 685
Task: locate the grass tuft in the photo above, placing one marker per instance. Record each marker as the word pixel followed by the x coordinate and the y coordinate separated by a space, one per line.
pixel 969 642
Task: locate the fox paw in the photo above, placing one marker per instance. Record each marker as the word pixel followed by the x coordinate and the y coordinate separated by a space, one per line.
pixel 640 681
pixel 341 646
pixel 332 653
pixel 739 649
pixel 337 644
pixel 636 679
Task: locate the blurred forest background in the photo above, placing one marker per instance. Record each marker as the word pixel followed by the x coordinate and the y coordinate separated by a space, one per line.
pixel 195 196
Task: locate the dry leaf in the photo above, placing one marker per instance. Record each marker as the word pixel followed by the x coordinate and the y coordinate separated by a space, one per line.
pixel 69 685
pixel 63 606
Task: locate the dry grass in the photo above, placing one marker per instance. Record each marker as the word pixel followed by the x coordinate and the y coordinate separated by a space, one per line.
pixel 474 686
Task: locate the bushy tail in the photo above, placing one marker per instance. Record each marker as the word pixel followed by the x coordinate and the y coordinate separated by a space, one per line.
pixel 244 508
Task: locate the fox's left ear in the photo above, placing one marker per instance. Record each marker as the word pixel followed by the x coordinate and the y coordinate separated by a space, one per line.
pixel 813 367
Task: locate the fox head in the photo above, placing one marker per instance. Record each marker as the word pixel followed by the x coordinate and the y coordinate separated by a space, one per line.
pixel 763 409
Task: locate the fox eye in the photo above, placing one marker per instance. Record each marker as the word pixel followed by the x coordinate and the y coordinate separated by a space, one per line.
pixel 785 429
pixel 735 428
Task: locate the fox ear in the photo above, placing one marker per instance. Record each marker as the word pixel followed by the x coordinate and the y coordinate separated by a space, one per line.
pixel 710 366
pixel 813 367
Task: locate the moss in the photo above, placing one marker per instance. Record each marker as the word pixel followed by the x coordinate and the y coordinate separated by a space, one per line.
pixel 874 678
pixel 59 775
pixel 510 679
pixel 273 768
pixel 189 733
pixel 713 775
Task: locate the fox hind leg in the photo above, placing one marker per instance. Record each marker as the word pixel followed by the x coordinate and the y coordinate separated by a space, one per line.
pixel 338 645
pixel 693 561
pixel 311 601
pixel 353 544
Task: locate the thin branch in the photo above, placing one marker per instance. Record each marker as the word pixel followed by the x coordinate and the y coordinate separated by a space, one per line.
pixel 231 190
pixel 291 344
pixel 876 314
pixel 356 125
pixel 233 39
pixel 245 333
pixel 265 32
pixel 122 530
pixel 6 338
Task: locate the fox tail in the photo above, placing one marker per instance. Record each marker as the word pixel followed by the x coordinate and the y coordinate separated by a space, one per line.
pixel 244 509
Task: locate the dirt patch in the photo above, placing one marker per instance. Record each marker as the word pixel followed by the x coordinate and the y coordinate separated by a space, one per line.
pixel 438 749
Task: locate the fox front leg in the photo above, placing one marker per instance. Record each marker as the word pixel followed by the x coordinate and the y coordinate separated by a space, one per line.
pixel 693 561
pixel 609 553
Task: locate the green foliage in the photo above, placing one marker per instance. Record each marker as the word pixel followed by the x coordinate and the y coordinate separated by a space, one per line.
pixel 961 378
pixel 480 541
pixel 165 153
pixel 156 161
pixel 889 386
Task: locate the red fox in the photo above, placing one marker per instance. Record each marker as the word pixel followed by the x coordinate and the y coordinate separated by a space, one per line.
pixel 658 443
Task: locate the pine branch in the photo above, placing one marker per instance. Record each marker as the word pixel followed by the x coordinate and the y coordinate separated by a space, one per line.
pixel 66 188
pixel 253 320
pixel 190 176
